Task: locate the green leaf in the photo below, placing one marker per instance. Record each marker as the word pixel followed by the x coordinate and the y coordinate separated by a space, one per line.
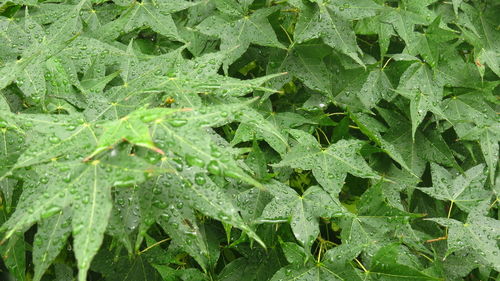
pixel 478 234
pixel 122 267
pixel 463 190
pixel 418 85
pixel 237 33
pixel 478 30
pixel 385 265
pixel 86 189
pixel 268 125
pixel 428 145
pixel 319 21
pixel 50 240
pixel 302 210
pixel 14 257
pixel 403 22
pixel 331 165
pixel 304 61
pixel 56 37
pixel 376 222
pixel 254 266
pixel 249 140
pixel 464 110
pixel 133 128
pixel 372 128
pixel 153 14
pixel 319 272
pixel 336 265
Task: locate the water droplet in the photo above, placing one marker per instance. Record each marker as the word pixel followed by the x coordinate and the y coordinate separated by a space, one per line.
pixel 54 139
pixel 50 211
pixel 214 168
pixel 200 179
pixel 177 122
pixel 194 161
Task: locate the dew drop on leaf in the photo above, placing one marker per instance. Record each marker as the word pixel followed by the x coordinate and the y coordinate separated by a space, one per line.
pixel 177 122
pixel 214 168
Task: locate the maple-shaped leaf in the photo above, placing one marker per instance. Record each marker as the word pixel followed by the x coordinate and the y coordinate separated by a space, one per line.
pixel 373 129
pixel 376 221
pixel 329 165
pixel 479 25
pixel 419 86
pixel 475 120
pixel 179 221
pixel 64 82
pixel 401 182
pixel 153 14
pixel 173 207
pixel 337 265
pixel 174 216
pixel 479 234
pixel 386 265
pixel 353 10
pixel 466 191
pixel 170 73
pixel 133 128
pixel 307 273
pixel 238 31
pixel 255 126
pixel 427 145
pixel 453 71
pixel 111 266
pixel 168 126
pixel 201 149
pixel 12 140
pixel 305 62
pixel 377 26
pixel 319 20
pixel 403 21
pixel 50 239
pixel 90 56
pixel 51 41
pixel 14 255
pixel 488 137
pixel 361 89
pixel 266 124
pixel 85 190
pixel 168 138
pixel 460 263
pixel 254 265
pixel 467 108
pixel 430 45
pixel 50 137
pixel 303 211
pixel 252 202
pixel 124 218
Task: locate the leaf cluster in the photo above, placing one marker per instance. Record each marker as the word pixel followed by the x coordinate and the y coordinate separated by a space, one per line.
pixel 249 140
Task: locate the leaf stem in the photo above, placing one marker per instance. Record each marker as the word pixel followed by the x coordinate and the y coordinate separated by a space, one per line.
pixel 425 256
pixel 154 245
pixel 437 239
pixel 336 113
pixel 449 215
pixel 287 35
pixel 361 265
pixel 385 64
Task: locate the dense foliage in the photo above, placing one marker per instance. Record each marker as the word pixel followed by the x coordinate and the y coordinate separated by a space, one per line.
pixel 249 140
